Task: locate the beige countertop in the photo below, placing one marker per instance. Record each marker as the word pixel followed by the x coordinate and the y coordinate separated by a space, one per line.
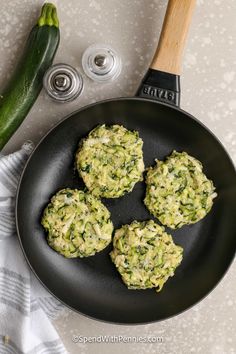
pixel 208 91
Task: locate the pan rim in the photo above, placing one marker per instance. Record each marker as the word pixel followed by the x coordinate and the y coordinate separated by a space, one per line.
pixel 22 176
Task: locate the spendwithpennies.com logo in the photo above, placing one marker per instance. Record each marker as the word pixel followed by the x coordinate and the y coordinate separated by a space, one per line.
pixel 116 339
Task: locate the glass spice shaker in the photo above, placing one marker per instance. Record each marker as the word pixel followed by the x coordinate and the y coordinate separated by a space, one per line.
pixel 63 83
pixel 101 63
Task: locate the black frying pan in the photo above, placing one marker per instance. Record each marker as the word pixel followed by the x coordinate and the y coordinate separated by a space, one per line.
pixel 91 285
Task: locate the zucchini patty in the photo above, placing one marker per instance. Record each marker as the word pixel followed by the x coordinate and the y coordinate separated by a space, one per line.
pixel 178 192
pixel 145 255
pixel 78 224
pixel 110 161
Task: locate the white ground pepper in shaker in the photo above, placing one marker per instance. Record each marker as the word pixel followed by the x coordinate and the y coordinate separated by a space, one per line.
pixel 101 63
pixel 63 83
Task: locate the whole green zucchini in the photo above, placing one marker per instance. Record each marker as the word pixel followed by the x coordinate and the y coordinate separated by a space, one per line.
pixel 27 80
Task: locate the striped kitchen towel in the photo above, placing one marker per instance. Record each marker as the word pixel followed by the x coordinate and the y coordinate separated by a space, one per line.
pixel 26 308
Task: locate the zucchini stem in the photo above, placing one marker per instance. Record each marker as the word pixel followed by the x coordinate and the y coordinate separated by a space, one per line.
pixel 48 16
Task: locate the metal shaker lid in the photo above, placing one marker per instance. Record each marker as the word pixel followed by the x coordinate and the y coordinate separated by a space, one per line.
pixel 62 82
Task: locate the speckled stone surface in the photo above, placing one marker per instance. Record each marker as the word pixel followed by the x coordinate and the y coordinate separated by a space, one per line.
pixel 208 92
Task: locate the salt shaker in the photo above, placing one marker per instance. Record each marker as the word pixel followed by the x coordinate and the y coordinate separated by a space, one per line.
pixel 101 63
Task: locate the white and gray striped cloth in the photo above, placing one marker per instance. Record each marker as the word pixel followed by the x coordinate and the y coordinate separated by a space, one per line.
pixel 26 308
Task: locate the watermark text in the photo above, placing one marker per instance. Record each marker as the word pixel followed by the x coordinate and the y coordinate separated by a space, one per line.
pixel 116 339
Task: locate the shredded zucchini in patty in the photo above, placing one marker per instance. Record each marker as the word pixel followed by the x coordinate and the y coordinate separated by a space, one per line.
pixel 78 224
pixel 110 161
pixel 145 255
pixel 178 192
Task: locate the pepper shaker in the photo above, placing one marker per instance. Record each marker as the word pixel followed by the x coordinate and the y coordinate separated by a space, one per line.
pixel 63 83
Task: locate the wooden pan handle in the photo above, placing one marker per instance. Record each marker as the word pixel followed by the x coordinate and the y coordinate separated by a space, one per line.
pixel 168 55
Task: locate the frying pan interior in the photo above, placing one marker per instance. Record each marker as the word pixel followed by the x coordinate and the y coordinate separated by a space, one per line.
pixel 92 285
